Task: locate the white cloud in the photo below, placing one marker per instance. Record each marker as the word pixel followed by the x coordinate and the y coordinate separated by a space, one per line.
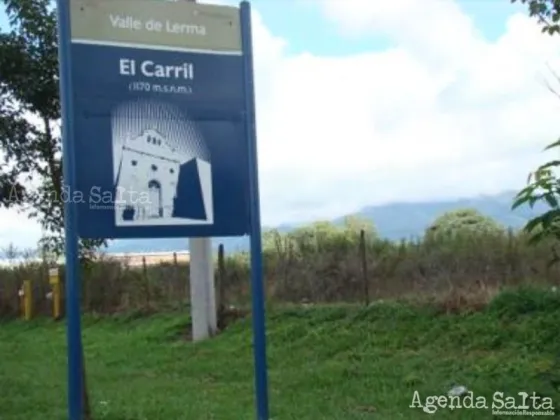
pixel 443 113
pixel 17 229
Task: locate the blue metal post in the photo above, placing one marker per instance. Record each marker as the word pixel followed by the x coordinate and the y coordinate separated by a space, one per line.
pixel 72 268
pixel 257 289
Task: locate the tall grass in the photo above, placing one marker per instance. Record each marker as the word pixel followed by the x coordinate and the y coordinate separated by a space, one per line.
pixel 316 265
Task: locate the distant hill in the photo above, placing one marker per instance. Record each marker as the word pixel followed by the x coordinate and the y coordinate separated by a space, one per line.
pixel 393 221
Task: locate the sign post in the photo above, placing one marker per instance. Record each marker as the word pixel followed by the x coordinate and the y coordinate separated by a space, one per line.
pixel 257 289
pixel 159 139
pixel 72 268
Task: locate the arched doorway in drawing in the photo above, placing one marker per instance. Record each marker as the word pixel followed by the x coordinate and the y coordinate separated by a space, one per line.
pixel 156 205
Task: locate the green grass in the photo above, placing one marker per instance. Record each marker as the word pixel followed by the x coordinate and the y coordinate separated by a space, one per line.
pixel 324 362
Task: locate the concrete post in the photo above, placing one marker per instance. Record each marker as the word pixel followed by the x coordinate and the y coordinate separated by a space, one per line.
pixel 203 293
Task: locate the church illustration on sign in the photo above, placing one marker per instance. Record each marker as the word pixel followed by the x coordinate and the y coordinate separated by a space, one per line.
pixel 158 185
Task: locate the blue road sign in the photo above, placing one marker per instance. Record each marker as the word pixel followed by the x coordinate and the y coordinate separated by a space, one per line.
pixel 159 139
pixel 159 120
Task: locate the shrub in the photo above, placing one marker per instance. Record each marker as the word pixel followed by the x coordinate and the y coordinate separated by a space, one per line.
pixel 318 263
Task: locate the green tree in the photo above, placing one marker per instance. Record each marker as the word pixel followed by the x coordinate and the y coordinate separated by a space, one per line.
pixel 323 236
pixel 354 224
pixel 543 184
pixel 463 221
pixel 315 237
pixel 31 171
pixel 546 11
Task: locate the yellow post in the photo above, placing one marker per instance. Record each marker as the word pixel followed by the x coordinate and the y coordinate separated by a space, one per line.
pixel 27 300
pixel 54 280
pixel 21 295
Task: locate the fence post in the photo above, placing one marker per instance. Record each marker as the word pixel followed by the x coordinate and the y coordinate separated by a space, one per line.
pixel 173 281
pixel 147 280
pixel 363 257
pixel 512 259
pixel 54 281
pixel 26 300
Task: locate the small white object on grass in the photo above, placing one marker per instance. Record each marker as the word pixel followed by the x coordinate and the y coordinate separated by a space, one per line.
pixel 457 391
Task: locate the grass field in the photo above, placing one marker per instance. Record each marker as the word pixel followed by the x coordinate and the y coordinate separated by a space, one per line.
pixel 324 362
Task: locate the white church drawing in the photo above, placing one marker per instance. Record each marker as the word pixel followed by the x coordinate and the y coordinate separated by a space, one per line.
pixel 147 181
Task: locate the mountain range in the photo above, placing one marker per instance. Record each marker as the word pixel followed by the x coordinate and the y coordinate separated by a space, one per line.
pixel 393 221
